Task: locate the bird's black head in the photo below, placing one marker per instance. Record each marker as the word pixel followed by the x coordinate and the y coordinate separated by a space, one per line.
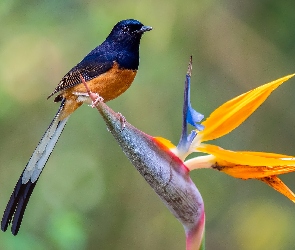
pixel 128 32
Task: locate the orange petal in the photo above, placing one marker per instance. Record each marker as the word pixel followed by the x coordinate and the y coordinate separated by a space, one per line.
pixel 165 142
pixel 246 157
pixel 267 155
pixel 248 165
pixel 251 172
pixel 279 186
pixel 234 112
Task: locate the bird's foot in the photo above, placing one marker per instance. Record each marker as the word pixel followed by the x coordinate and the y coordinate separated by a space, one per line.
pixel 97 98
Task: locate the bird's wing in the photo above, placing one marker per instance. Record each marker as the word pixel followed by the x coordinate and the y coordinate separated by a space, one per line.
pixel 90 67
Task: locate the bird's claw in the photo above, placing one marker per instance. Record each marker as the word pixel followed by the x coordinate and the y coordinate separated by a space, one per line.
pixel 98 99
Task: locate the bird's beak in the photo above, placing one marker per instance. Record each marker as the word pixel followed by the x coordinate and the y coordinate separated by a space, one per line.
pixel 144 29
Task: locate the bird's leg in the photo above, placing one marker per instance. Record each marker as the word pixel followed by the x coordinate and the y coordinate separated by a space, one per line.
pixel 95 97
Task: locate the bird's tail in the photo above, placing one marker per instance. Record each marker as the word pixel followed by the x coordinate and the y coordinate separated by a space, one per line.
pixel 21 194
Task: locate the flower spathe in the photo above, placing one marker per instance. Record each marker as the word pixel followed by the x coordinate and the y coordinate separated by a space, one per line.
pixel 239 164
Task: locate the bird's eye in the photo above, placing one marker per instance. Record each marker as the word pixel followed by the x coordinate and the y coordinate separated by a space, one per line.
pixel 125 29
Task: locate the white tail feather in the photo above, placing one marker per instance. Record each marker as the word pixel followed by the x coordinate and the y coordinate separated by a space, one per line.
pixel 44 148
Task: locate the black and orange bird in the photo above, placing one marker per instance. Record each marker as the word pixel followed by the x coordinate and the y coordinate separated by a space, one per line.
pixel 108 70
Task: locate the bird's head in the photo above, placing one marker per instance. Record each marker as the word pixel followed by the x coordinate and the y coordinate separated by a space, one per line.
pixel 128 31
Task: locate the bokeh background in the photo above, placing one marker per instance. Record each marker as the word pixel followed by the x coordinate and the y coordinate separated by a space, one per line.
pixel 89 195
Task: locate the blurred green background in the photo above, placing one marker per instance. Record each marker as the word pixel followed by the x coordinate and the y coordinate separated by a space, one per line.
pixel 89 195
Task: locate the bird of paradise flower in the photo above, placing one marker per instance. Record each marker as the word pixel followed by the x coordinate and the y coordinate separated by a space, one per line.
pixel 240 164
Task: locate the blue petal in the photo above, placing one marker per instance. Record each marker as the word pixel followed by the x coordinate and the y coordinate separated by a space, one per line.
pixel 193 117
pixel 189 116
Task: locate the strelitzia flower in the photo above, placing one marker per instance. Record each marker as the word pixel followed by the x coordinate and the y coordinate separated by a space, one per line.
pixel 239 164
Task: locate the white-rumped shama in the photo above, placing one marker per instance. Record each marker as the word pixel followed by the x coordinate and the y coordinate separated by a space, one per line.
pixel 108 70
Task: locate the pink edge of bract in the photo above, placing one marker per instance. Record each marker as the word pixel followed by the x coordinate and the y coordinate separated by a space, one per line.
pixel 160 143
pixel 194 236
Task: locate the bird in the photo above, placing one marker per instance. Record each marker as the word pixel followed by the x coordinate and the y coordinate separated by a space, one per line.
pixel 109 70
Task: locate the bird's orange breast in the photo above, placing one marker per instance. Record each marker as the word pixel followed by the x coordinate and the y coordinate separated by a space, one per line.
pixel 108 85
